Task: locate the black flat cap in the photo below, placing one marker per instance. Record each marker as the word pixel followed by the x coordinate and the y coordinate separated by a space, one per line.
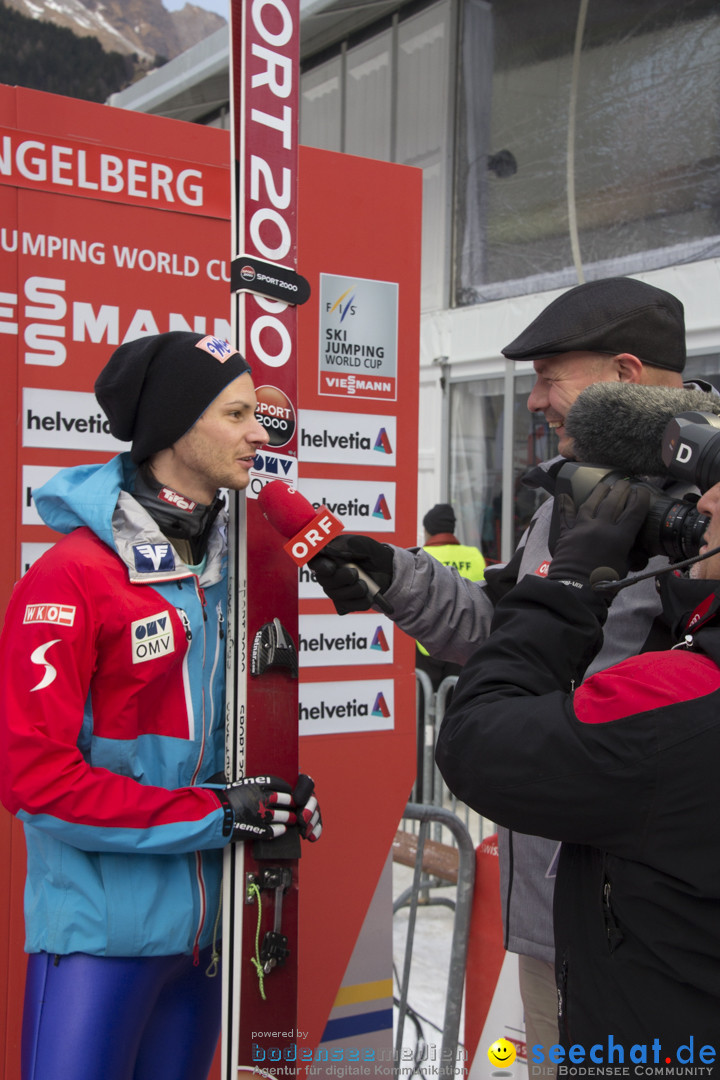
pixel 613 315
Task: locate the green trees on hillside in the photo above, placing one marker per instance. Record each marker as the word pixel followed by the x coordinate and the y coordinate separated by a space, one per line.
pixel 47 57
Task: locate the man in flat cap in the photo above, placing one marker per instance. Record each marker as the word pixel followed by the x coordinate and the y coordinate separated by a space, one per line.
pixel 611 330
pixel 112 741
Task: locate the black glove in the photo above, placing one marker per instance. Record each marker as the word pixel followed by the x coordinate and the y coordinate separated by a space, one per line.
pixel 257 808
pixel 600 532
pixel 309 818
pixel 342 583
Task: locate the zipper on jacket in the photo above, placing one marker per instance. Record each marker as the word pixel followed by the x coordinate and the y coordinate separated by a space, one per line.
pixel 612 930
pixel 186 623
pixel 203 907
pixel 201 595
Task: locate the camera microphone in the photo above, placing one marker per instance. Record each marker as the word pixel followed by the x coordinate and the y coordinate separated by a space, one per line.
pixel 605 579
pixel 623 424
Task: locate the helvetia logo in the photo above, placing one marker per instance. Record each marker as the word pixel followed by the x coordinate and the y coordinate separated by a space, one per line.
pixel 380 707
pixel 379 641
pixel 382 509
pixel 382 443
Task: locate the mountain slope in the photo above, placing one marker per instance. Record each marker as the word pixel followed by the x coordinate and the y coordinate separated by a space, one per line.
pixel 143 27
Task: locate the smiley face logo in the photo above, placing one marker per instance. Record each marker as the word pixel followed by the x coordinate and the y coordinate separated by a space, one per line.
pixel 501 1053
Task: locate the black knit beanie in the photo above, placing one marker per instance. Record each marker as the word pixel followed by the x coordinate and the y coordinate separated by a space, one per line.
pixel 153 389
pixel 441 519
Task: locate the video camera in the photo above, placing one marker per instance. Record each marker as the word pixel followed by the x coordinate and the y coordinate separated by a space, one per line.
pixel 691 453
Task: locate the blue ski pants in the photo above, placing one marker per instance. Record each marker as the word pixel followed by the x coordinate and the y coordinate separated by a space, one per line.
pixel 119 1018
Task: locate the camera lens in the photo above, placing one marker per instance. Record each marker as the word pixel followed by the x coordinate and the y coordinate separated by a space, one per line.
pixel 673 528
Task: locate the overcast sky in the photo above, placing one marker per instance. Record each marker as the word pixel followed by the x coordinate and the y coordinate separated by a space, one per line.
pixel 220 7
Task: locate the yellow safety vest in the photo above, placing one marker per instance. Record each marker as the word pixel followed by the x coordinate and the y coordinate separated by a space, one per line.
pixel 468 561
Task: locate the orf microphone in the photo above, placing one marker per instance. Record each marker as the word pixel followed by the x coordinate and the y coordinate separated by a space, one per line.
pixel 623 424
pixel 308 530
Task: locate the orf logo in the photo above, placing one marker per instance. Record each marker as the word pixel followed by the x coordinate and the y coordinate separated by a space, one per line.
pixel 316 534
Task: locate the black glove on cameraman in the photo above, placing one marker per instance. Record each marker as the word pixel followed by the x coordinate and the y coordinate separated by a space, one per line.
pixel 341 582
pixel 262 807
pixel 601 532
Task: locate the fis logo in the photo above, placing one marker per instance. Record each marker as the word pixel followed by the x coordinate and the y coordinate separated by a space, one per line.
pixel 153 558
pixel 343 305
pixel 152 637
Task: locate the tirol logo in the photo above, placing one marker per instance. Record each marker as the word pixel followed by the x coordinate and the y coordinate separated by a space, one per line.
pixel 152 637
pixel 153 558
pixel 218 348
pixel 276 414
pixel 169 496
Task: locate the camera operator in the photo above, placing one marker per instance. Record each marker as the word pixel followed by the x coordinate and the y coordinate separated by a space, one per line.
pixel 616 330
pixel 622 768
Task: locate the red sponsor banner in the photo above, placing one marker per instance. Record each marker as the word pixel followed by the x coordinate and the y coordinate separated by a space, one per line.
pixel 262 724
pixel 41 162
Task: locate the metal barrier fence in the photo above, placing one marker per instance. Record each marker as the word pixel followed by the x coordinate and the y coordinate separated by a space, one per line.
pixel 418 894
pixel 430 788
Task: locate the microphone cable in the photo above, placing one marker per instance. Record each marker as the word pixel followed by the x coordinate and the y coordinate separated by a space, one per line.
pixel 605 579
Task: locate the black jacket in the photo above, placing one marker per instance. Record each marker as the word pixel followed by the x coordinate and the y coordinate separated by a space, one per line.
pixel 625 770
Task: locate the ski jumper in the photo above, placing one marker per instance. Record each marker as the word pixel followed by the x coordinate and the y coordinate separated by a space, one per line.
pixel 112 680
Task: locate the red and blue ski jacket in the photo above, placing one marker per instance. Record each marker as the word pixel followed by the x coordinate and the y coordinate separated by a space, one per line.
pixel 112 676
